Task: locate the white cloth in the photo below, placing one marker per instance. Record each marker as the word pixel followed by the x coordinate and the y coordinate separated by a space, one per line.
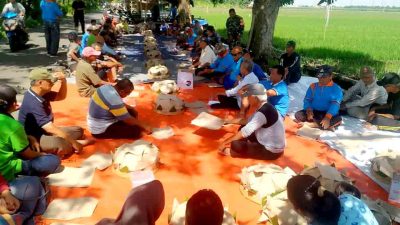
pixel 250 78
pixel 16 7
pixel 370 94
pixel 207 56
pixel 98 126
pixel 273 137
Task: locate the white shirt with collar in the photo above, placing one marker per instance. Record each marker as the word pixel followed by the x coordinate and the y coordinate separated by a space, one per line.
pixel 207 56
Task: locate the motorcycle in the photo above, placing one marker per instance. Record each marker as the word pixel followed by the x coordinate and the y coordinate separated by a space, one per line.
pixel 17 36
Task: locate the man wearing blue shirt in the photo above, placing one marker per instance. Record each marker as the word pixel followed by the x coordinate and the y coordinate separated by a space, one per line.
pixel 276 90
pixel 322 102
pixel 230 80
pixel 257 70
pixel 221 67
pixel 51 14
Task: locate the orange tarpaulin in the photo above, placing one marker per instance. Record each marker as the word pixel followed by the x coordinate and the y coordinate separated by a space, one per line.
pixel 189 160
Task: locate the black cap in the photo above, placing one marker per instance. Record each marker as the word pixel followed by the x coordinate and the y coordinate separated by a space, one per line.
pixel 324 71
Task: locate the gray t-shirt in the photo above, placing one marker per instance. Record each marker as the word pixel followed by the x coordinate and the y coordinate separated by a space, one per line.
pixel 73 48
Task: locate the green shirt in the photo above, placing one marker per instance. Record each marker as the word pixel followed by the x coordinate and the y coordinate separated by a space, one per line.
pixel 13 140
pixel 91 40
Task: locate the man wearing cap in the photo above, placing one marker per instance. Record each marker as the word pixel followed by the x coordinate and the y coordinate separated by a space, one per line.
pixel 291 61
pixel 358 100
pixel 388 114
pixel 86 78
pixel 262 136
pixel 51 15
pixel 233 99
pixel 207 56
pixel 322 102
pixel 222 65
pixel 37 117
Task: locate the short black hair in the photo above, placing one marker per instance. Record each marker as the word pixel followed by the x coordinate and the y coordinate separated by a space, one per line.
pixel 204 208
pixel 280 69
pixel 124 84
pixel 8 97
pixel 231 10
pixel 306 195
pixel 344 187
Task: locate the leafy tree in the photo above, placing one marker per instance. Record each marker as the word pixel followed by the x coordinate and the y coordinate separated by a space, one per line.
pixel 265 13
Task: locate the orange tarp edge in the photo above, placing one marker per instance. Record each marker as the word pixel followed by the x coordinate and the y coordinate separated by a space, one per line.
pixel 189 160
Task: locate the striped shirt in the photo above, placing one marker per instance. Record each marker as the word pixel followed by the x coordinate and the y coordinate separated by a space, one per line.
pixel 105 108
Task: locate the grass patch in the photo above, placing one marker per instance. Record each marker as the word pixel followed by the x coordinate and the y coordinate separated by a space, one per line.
pixel 354 38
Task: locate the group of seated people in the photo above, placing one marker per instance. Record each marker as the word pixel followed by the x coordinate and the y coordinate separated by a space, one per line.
pixel 325 101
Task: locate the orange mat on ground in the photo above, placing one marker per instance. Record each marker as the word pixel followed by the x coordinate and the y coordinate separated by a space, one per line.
pixel 189 159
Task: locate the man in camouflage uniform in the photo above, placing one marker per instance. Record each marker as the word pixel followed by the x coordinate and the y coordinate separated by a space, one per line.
pixel 234 28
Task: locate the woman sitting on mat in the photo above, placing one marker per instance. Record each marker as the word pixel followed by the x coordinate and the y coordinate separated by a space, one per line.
pixel 322 207
pixel 262 136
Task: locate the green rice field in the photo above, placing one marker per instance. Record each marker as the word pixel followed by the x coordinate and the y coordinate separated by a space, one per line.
pixel 353 38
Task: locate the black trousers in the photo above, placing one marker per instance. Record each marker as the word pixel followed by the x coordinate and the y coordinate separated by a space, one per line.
pixel 250 148
pixel 79 18
pixel 226 103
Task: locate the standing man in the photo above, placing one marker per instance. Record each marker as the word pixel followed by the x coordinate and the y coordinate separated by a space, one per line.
pixel 234 28
pixel 51 15
pixel 79 14
pixel 291 61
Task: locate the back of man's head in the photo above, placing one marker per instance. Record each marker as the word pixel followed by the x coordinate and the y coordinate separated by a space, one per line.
pixel 204 208
pixel 124 84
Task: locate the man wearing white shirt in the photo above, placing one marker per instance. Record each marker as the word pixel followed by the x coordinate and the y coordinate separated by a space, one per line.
pixel 232 98
pixel 261 136
pixel 207 56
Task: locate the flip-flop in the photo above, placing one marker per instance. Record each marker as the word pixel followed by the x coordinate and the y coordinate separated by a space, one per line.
pixel 225 152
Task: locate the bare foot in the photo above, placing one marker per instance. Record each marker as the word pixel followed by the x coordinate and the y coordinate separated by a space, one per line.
pixel 225 152
pixel 86 142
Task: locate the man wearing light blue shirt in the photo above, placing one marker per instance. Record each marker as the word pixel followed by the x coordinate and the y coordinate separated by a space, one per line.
pixel 51 14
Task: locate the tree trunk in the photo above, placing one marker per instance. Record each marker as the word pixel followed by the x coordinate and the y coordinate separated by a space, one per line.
pixel 265 13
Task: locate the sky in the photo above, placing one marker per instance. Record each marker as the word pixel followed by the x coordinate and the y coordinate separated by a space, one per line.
pixel 353 2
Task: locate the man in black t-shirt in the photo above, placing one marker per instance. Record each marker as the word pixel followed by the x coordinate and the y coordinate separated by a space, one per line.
pixel 291 61
pixel 79 14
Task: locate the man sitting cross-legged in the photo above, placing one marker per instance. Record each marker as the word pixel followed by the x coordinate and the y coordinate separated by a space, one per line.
pixel 19 154
pixel 86 78
pixel 220 67
pixel 366 93
pixel 37 116
pixel 260 137
pixel 110 117
pixel 232 99
pixel 322 102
